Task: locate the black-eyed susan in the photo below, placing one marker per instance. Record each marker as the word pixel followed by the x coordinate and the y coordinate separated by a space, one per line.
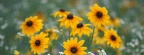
pixel 70 21
pixel 53 33
pixel 16 52
pixel 115 22
pixel 99 41
pixel 99 31
pixel 28 52
pixel 98 16
pixel 112 38
pixel 31 25
pixel 73 47
pixel 61 13
pixel 40 15
pixel 99 35
pixel 119 52
pixel 38 43
pixel 81 29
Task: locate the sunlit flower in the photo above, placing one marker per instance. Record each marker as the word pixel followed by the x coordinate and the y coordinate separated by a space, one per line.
pixel 61 13
pixel 16 52
pixel 39 43
pixel 112 38
pixel 70 21
pixel 31 25
pixel 98 15
pixel 52 34
pixel 81 29
pixel 73 47
pixel 115 22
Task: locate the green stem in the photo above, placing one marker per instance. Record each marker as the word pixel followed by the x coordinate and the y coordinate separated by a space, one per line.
pixel 92 38
pixel 69 33
pixel 78 38
pixel 63 33
pixel 51 48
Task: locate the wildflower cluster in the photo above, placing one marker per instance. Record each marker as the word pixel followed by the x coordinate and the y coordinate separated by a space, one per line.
pixel 100 32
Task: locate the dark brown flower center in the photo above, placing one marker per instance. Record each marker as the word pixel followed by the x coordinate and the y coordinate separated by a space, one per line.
pixel 70 16
pixel 62 10
pixel 37 42
pixel 29 23
pixel 73 50
pixel 99 14
pixel 79 25
pixel 113 37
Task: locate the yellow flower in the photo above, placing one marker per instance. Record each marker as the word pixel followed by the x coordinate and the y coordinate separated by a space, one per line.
pixel 81 29
pixel 99 35
pixel 61 13
pixel 112 38
pixel 115 22
pixel 119 52
pixel 100 40
pixel 40 15
pixel 69 21
pixel 73 47
pixel 31 25
pixel 52 34
pixel 128 4
pixel 28 53
pixel 99 31
pixel 39 43
pixel 98 16
pixel 16 52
